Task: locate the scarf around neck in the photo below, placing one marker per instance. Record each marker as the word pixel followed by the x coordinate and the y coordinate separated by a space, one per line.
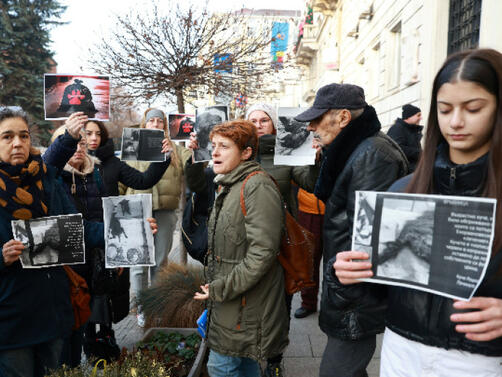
pixel 21 188
pixel 339 151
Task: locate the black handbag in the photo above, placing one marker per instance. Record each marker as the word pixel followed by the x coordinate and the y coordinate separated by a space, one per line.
pixel 194 229
pixel 195 216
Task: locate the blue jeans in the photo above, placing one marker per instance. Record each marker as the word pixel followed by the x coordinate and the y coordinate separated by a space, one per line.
pixel 34 361
pixel 220 365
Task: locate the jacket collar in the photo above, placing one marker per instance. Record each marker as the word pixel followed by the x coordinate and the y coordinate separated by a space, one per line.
pixel 416 127
pixel 106 151
pixel 89 163
pixel 238 174
pixel 453 179
pixel 339 151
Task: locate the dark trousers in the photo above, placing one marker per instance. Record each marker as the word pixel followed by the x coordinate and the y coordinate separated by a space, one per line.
pixel 72 348
pixel 313 223
pixel 33 361
pixel 347 358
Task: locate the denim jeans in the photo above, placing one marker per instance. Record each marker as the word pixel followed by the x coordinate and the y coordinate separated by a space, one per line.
pixel 34 361
pixel 220 365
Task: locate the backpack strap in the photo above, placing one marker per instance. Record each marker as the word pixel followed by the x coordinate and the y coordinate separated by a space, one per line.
pixel 243 204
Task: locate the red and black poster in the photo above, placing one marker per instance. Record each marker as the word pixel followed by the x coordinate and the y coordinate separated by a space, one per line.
pixel 67 94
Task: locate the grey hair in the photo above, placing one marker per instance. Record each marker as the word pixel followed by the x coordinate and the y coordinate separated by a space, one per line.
pixel 7 112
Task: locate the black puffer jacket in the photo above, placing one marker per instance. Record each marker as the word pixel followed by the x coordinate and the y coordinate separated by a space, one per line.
pixel 408 137
pixel 351 312
pixel 425 317
pixel 114 171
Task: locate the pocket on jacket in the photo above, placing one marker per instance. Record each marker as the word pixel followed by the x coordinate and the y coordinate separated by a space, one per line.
pixel 343 297
pixel 229 315
pixel 234 234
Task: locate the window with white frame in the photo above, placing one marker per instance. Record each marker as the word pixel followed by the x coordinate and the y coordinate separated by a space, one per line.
pixel 394 57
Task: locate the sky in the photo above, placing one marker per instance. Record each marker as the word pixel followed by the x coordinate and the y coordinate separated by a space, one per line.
pixel 90 19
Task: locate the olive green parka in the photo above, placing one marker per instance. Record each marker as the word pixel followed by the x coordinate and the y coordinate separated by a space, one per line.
pixel 247 309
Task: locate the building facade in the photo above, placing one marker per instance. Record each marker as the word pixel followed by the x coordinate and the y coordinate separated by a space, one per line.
pixel 391 48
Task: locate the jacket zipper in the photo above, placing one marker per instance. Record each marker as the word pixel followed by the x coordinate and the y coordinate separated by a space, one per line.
pixel 239 319
pixel 453 177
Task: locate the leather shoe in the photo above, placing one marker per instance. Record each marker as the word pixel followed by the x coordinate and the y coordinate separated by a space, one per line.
pixel 302 312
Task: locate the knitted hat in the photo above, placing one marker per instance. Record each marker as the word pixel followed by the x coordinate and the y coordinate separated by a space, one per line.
pixel 409 110
pixel 154 113
pixel 269 110
pixel 334 96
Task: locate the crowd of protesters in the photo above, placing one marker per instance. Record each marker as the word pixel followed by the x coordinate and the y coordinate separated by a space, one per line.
pixel 248 308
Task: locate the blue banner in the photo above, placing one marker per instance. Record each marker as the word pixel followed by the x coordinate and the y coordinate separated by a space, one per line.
pixel 223 63
pixel 280 33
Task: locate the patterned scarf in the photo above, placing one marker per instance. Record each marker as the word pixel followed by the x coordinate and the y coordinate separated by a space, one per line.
pixel 21 188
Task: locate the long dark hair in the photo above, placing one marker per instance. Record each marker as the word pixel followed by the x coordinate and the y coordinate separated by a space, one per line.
pixel 102 129
pixel 484 67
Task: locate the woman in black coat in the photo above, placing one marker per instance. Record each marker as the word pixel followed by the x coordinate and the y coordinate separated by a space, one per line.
pixel 112 169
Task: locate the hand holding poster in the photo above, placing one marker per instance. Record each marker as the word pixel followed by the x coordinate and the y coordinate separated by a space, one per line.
pixel 293 143
pixel 433 243
pixel 205 119
pixel 128 237
pixel 67 94
pixel 51 241
pixel 141 144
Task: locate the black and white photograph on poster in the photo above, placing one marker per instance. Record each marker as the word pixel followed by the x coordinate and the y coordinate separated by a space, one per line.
pixel 437 244
pixel 141 144
pixel 128 237
pixel 405 239
pixel 51 241
pixel 205 119
pixel 294 143
pixel 363 222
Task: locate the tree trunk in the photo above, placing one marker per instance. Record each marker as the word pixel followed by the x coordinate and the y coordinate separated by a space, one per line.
pixel 180 101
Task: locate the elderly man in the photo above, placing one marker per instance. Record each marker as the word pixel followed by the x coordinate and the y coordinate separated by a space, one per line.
pixel 357 156
pixel 407 132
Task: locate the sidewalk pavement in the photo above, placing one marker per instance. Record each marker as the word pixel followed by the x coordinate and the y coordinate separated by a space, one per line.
pixel 306 341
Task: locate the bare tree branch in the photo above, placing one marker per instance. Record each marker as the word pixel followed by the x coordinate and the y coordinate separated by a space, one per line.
pixel 152 55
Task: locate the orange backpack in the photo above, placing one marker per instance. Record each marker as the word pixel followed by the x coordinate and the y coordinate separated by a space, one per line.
pixel 297 247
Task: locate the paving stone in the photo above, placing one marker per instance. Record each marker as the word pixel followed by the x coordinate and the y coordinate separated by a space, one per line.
pixel 301 366
pixel 299 346
pixel 318 344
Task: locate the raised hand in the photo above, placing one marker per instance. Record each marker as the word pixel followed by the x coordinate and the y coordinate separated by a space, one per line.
pixel 167 146
pixel 193 143
pixel 75 123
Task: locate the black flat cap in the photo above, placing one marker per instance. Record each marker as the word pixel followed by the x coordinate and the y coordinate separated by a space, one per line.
pixel 334 96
